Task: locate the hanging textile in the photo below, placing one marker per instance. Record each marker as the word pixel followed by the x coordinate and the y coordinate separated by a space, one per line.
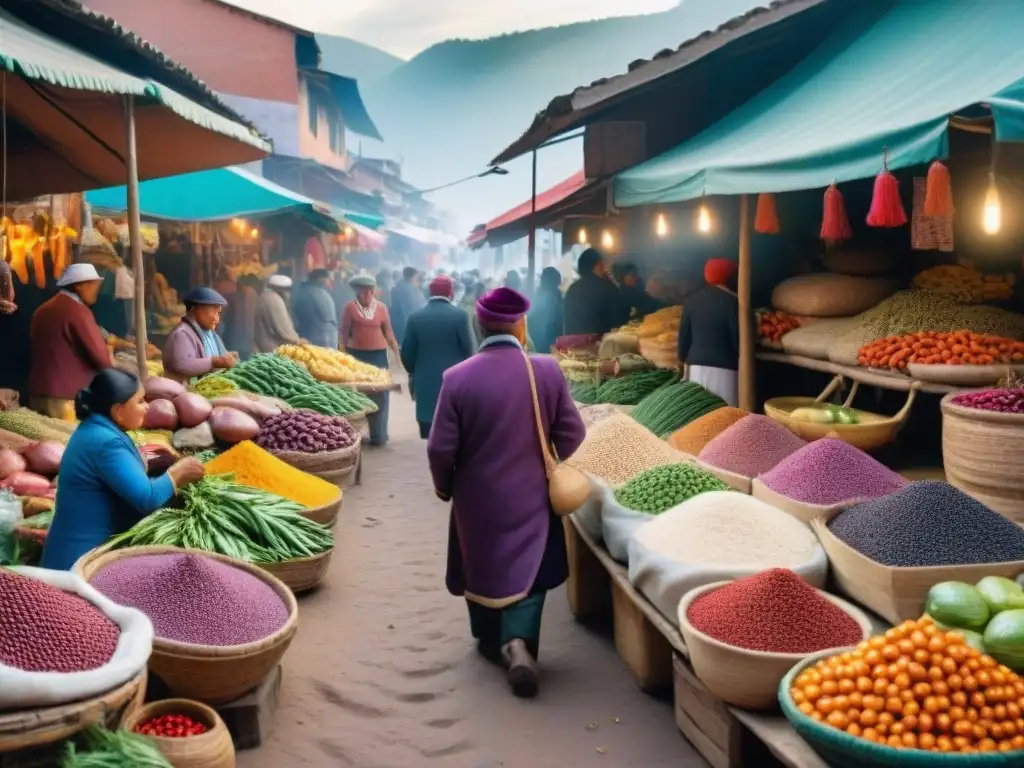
pixel 929 233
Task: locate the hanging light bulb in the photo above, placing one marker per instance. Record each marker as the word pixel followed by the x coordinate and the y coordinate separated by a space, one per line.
pixel 254 233
pixel 607 239
pixel 992 220
pixel 703 219
pixel 583 237
pixel 661 226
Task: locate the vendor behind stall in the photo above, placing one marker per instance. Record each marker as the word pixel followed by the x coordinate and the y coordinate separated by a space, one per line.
pixel 709 335
pixel 592 304
pixel 103 488
pixel 316 315
pixel 68 347
pixel 366 334
pixel 273 322
pixel 193 348
pixel 634 298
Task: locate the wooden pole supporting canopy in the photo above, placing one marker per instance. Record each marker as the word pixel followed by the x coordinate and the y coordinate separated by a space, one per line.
pixel 135 235
pixel 747 394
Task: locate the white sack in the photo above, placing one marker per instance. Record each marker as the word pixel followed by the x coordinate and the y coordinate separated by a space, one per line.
pixel 618 524
pixel 589 515
pixel 664 580
pixel 27 690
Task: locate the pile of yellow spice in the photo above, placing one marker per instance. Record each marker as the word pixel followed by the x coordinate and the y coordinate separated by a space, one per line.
pixel 255 467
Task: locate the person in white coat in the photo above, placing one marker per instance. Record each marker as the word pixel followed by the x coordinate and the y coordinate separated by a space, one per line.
pixel 274 325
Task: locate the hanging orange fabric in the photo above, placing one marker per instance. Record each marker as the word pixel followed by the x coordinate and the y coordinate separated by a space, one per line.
pixel 835 226
pixel 886 207
pixel 938 194
pixel 766 222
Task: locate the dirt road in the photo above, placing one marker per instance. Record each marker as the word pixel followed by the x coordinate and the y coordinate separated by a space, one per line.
pixel 383 674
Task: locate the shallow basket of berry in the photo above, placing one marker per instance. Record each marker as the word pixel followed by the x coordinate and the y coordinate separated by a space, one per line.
pixel 745 635
pixel 189 734
pixel 916 696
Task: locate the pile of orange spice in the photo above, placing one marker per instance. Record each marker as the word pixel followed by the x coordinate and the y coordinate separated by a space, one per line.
pixel 937 348
pixel 917 687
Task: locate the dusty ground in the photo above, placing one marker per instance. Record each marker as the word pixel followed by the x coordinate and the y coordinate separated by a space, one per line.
pixel 383 673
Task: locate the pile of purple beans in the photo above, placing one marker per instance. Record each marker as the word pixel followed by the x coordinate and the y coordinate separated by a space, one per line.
pixel 306 432
pixel 1003 400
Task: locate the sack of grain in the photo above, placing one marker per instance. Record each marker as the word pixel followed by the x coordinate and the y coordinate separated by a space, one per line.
pixel 827 295
pixel 618 524
pixel 617 449
pixel 589 515
pixel 852 261
pixel 816 339
pixel 615 344
pixel 717 536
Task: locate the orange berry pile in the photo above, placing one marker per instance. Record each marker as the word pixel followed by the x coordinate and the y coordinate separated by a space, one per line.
pixel 917 687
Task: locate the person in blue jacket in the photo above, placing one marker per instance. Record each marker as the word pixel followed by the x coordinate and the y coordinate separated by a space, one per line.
pixel 103 488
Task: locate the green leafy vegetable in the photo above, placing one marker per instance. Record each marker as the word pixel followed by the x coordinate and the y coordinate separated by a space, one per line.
pixel 100 748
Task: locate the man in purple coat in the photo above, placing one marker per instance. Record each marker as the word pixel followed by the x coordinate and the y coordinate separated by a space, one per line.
pixel 506 548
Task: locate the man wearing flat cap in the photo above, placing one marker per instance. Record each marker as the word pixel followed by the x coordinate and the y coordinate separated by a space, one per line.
pixel 274 326
pixel 194 348
pixel 68 348
pixel 436 338
pixel 506 548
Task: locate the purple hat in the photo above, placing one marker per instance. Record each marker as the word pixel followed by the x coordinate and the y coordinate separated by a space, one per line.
pixel 502 306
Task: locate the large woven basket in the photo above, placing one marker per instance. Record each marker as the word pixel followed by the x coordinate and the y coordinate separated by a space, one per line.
pixel 209 673
pixel 213 749
pixel 332 466
pixel 981 453
pixel 328 513
pixel 303 573
pixel 34 728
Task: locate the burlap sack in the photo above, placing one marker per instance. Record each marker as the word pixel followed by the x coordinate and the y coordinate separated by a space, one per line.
pixel 828 295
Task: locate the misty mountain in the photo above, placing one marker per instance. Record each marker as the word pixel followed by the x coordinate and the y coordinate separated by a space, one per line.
pixel 450 109
pixel 350 58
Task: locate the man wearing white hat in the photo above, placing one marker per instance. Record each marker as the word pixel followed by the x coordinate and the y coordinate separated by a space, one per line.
pixel 68 348
pixel 274 325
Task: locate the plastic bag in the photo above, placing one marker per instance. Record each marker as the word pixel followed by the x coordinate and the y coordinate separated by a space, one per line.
pixel 664 581
pixel 618 524
pixel 24 690
pixel 589 515
pixel 10 518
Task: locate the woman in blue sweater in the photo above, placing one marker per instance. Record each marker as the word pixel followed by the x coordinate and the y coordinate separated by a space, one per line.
pixel 103 488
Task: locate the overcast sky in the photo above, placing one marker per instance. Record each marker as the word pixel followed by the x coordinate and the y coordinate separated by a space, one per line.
pixel 405 27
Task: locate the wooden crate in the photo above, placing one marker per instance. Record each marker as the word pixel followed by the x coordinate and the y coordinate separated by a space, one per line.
pixel 704 720
pixel 588 587
pixel 642 646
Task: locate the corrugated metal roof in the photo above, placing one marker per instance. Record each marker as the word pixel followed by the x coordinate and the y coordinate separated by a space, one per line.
pixel 572 110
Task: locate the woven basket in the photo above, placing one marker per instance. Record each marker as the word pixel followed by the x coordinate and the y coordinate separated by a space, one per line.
pixel 37 727
pixel 895 594
pixel 213 749
pixel 303 573
pixel 738 676
pixel 332 466
pixel 328 513
pixel 842 750
pixel 982 457
pixel 210 673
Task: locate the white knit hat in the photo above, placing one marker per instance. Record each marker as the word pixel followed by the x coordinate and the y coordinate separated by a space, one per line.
pixel 78 273
pixel 279 281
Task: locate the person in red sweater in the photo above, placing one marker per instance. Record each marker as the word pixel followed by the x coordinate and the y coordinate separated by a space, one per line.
pixel 68 349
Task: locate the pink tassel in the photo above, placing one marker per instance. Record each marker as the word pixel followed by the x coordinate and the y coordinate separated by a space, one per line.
pixel 835 226
pixel 766 222
pixel 886 207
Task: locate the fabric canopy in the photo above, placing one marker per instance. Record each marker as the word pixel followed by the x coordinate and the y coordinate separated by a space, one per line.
pixel 887 78
pixel 430 237
pixel 65 120
pixel 217 195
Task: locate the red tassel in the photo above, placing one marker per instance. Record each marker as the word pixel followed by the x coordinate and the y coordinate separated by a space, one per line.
pixel 886 207
pixel 835 226
pixel 766 222
pixel 938 195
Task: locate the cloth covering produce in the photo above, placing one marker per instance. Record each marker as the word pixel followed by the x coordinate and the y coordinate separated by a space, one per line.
pixel 252 466
pixel 814 340
pixel 829 471
pixel 714 537
pixel 218 515
pixel 828 295
pixel 751 446
pixel 275 376
pixel 195 599
pixel 929 523
pixel 61 640
pixel 673 407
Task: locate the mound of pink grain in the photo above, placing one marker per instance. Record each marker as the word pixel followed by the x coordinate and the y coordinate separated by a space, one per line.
pixel 829 471
pixel 751 446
